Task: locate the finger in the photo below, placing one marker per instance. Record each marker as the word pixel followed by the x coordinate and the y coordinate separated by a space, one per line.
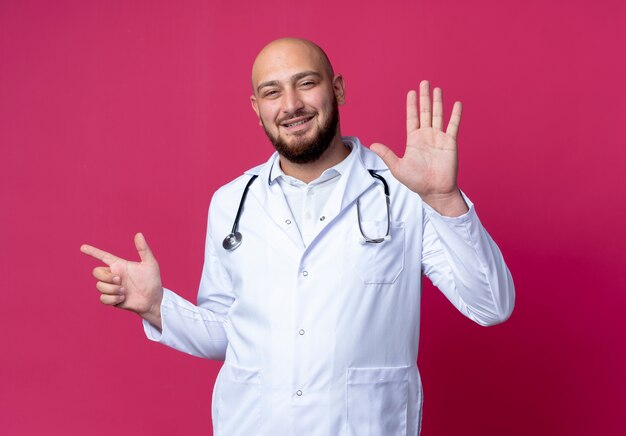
pixel 455 120
pixel 425 111
pixel 104 274
pixel 109 289
pixel 385 153
pixel 111 300
pixel 142 248
pixel 437 109
pixel 102 255
pixel 412 120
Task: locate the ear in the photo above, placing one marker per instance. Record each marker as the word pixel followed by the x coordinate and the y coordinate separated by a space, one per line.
pixel 340 89
pixel 255 107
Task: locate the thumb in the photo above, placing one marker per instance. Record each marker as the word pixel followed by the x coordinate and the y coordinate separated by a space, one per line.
pixel 142 248
pixel 385 153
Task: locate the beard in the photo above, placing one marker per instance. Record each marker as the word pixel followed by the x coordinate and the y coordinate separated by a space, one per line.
pixel 303 151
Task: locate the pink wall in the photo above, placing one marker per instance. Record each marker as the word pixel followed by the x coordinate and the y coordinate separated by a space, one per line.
pixel 119 116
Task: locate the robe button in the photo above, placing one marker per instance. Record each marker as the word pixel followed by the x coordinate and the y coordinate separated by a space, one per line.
pixel 305 273
pixel 287 221
pixel 301 332
pixel 299 393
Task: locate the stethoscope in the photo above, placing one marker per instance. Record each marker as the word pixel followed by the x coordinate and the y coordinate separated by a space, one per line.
pixel 233 240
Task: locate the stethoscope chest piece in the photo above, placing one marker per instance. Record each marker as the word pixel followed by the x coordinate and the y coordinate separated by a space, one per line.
pixel 232 241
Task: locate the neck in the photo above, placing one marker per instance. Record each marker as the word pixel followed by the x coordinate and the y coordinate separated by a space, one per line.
pixel 311 171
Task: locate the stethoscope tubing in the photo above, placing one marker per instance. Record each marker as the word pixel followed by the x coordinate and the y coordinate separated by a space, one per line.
pixel 234 238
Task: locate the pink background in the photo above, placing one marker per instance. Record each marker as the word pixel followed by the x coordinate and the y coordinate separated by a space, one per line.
pixel 119 116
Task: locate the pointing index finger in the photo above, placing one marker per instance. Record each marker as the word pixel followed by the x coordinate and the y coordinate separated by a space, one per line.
pixel 102 255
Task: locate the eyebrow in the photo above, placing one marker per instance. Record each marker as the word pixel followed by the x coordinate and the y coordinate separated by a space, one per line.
pixel 294 78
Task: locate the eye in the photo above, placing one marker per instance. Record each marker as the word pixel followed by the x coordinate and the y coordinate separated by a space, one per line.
pixel 307 84
pixel 270 93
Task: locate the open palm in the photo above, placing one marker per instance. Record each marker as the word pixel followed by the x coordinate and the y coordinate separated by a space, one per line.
pixel 429 165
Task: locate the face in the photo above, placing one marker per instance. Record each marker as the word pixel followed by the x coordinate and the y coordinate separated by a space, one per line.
pixel 296 99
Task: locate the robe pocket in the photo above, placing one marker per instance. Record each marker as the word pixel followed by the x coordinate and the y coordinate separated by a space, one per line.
pixel 380 263
pixel 377 401
pixel 239 410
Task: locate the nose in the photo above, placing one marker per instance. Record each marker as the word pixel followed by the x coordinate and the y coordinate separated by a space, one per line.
pixel 292 102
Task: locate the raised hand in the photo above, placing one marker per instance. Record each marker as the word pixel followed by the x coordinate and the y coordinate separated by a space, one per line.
pixel 429 165
pixel 134 286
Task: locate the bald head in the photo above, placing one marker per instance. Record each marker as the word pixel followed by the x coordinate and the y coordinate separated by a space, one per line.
pixel 285 54
pixel 296 97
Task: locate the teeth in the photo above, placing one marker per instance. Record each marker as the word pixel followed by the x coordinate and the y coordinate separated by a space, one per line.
pixel 298 123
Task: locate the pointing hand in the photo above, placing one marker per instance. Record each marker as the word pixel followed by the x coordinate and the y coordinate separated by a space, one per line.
pixel 134 286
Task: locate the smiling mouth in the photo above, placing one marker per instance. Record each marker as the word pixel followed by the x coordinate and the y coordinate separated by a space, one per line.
pixel 298 123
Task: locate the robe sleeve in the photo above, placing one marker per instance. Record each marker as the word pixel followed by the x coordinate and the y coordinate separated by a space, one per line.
pixel 199 330
pixel 462 260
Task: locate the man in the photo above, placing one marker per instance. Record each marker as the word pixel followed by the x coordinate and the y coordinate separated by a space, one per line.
pixel 313 299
